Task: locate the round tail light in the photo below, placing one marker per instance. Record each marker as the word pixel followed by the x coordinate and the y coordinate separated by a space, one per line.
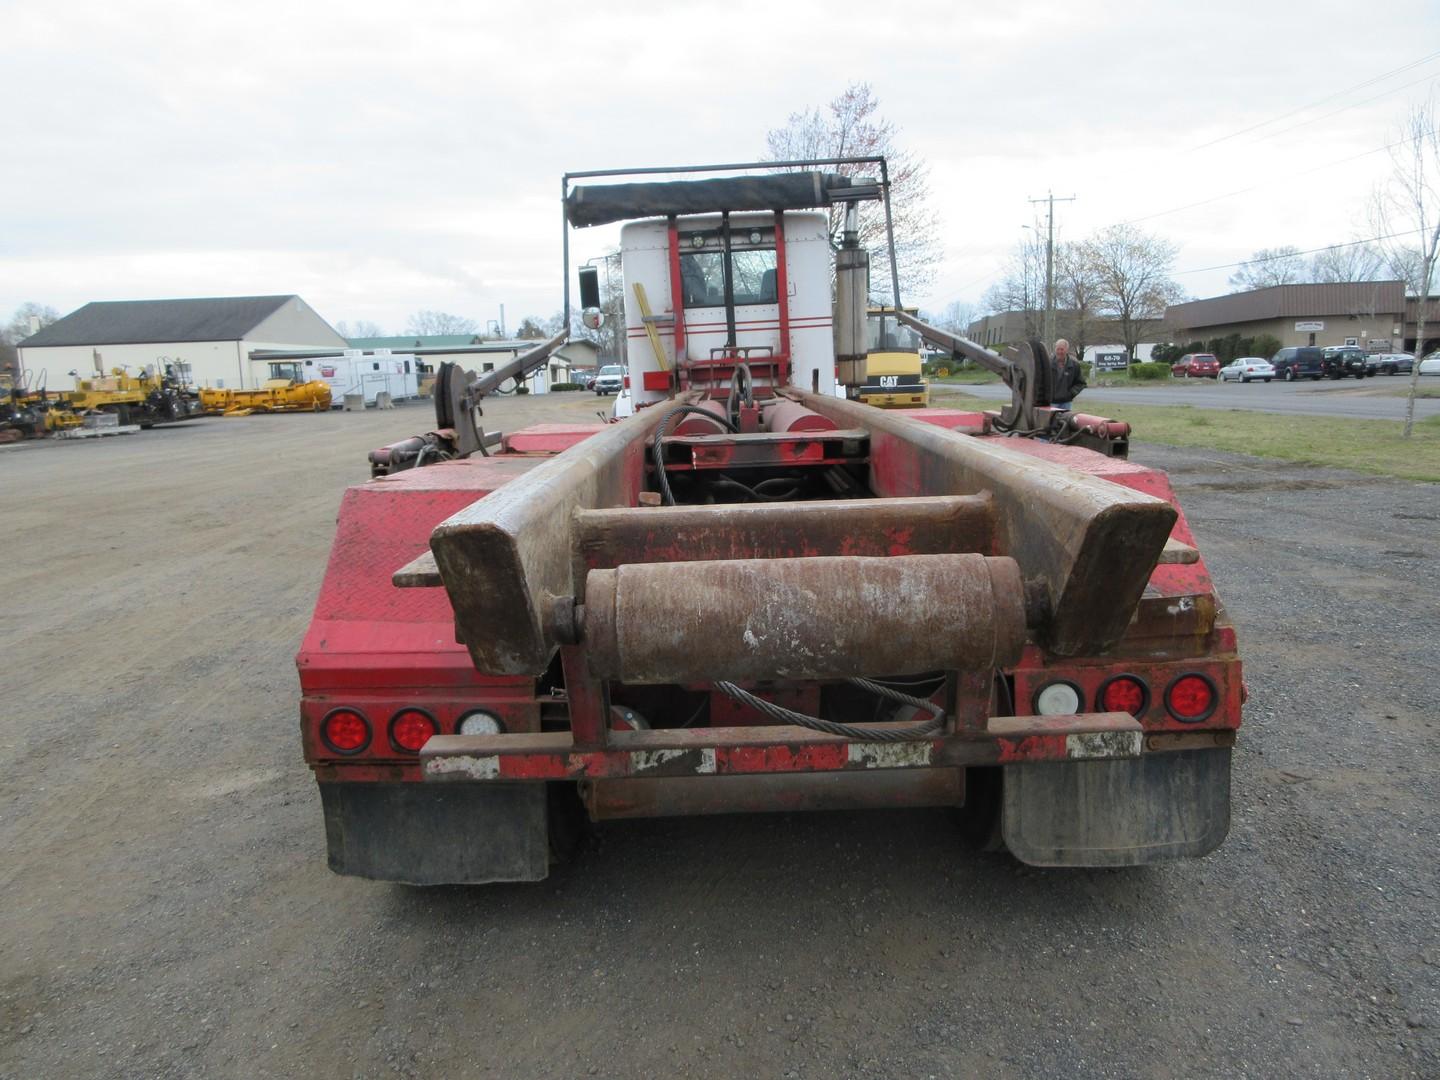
pixel 480 722
pixel 345 731
pixel 1124 693
pixel 410 728
pixel 1191 698
pixel 1057 699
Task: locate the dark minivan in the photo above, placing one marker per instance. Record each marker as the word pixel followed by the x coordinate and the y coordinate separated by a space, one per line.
pixel 1299 362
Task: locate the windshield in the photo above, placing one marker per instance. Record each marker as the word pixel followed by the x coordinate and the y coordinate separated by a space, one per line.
pixel 895 338
pixel 287 371
pixel 612 369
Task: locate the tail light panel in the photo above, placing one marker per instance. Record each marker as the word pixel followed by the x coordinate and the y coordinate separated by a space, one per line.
pixel 411 728
pixel 346 731
pixel 1191 698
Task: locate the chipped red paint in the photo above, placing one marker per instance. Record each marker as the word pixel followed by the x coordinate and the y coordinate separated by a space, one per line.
pixel 1032 748
pixel 377 648
pixel 548 438
pixel 755 759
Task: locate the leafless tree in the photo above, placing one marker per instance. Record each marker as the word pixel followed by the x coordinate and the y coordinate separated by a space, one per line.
pixel 1406 209
pixel 956 316
pixel 28 318
pixel 360 328
pixel 1270 266
pixel 1347 263
pixel 1132 270
pixel 1078 292
pixel 849 126
pixel 423 323
pixel 1021 287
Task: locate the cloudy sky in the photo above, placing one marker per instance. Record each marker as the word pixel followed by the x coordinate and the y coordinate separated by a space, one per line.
pixel 379 158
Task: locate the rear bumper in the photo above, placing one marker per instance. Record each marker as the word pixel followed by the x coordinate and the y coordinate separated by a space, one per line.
pixel 681 752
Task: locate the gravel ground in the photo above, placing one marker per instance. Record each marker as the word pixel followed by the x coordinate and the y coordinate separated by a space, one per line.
pixel 168 912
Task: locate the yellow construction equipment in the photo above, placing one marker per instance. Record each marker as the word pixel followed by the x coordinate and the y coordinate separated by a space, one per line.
pixel 285 391
pixel 893 368
pixel 28 412
pixel 150 398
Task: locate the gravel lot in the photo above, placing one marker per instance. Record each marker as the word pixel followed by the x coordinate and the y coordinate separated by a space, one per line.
pixel 167 910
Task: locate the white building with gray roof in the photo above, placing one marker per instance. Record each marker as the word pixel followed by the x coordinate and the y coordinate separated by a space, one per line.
pixel 213 335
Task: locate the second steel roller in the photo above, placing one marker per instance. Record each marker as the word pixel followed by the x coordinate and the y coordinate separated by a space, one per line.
pixel 749 620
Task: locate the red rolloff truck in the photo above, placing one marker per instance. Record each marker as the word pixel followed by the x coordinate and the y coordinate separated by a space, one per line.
pixel 754 594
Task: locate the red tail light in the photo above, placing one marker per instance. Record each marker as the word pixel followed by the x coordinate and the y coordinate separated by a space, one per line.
pixel 345 731
pixel 410 728
pixel 1124 693
pixel 627 382
pixel 1191 698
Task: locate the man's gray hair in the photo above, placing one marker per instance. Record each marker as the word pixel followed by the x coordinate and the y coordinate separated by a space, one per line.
pixel 1062 341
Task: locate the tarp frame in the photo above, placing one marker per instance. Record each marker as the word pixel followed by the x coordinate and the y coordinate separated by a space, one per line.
pixel 853 192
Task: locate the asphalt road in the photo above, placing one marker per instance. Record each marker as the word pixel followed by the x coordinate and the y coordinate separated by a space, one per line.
pixel 1368 400
pixel 167 911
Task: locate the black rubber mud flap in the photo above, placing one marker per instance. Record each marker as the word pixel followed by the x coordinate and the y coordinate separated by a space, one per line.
pixel 437 834
pixel 1129 812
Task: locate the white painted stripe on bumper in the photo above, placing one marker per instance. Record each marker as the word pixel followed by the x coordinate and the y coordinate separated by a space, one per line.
pixel 1098 745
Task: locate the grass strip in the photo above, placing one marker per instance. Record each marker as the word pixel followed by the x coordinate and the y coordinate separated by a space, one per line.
pixel 1366 446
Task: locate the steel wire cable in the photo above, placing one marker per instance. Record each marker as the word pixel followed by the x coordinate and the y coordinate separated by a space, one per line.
pixel 659 441
pixel 909 733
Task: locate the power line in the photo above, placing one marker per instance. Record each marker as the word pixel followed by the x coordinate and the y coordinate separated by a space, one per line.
pixel 1287 177
pixel 1343 108
pixel 1294 254
pixel 1321 101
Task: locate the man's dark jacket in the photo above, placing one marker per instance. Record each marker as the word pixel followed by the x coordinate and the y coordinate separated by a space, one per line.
pixel 1068 381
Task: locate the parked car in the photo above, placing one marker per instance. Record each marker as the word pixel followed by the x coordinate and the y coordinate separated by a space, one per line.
pixel 1198 365
pixel 611 379
pixel 1298 362
pixel 1389 363
pixel 1341 360
pixel 1431 364
pixel 1246 368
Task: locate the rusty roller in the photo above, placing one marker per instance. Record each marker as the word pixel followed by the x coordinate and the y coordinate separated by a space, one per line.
pixel 747 620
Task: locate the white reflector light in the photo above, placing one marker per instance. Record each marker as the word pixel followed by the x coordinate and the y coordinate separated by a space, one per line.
pixel 480 723
pixel 1057 699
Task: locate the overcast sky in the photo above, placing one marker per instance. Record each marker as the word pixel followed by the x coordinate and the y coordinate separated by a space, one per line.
pixel 379 158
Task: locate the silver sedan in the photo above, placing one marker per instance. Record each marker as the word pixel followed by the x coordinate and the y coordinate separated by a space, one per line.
pixel 1246 368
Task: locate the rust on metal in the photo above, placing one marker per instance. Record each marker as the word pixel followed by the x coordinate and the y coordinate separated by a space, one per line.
pixel 746 620
pixel 1094 544
pixel 785 749
pixel 503 557
pixel 931 525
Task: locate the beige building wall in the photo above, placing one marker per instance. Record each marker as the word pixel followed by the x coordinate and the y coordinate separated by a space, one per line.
pixel 212 363
pixel 1319 330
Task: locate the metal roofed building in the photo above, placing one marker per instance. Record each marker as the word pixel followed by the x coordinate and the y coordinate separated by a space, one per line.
pixel 1371 314
pixel 213 335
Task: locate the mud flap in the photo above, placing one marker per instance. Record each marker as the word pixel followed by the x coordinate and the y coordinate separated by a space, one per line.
pixel 1118 813
pixel 437 834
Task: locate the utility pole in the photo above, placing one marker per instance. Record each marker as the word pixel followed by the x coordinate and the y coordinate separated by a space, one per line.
pixel 1050 200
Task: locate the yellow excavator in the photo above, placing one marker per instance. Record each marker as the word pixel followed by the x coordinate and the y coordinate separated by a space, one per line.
pixel 893 377
pixel 287 390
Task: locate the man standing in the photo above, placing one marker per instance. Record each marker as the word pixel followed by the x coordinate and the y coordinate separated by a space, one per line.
pixel 1066 379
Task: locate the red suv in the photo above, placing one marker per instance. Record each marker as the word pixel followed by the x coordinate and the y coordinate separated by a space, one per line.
pixel 1196 365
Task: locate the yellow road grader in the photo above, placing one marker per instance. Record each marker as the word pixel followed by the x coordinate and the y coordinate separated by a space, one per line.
pixel 285 391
